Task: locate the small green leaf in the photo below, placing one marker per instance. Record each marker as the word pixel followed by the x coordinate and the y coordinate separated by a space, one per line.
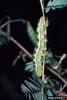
pixel 31 33
pixel 49 93
pixel 3 40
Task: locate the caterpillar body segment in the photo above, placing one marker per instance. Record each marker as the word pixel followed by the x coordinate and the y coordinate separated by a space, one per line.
pixel 40 50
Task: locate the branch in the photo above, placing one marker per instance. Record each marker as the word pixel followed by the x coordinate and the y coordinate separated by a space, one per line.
pixel 21 47
pixel 57 75
pixel 31 57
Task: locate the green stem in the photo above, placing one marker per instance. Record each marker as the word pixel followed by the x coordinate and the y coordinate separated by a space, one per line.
pixel 42 91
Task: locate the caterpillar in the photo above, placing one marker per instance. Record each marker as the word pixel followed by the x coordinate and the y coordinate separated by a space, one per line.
pixel 40 49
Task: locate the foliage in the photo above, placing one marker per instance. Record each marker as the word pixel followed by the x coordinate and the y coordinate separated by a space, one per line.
pixel 31 86
pixel 2 40
pixel 31 33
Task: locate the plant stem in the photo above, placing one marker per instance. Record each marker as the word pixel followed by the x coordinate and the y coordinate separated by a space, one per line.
pixel 42 92
pixel 20 46
pixel 57 75
pixel 31 57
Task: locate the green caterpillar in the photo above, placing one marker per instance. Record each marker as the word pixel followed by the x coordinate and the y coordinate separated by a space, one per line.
pixel 40 50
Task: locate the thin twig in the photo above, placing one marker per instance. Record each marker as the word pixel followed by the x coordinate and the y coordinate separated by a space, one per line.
pixel 56 74
pixel 20 46
pixel 61 89
pixel 17 58
pixel 13 21
pixel 31 57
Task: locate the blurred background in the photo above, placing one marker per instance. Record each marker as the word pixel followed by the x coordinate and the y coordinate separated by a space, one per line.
pixel 12 77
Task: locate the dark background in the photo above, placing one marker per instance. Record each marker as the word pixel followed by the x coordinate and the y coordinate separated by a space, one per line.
pixel 12 77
